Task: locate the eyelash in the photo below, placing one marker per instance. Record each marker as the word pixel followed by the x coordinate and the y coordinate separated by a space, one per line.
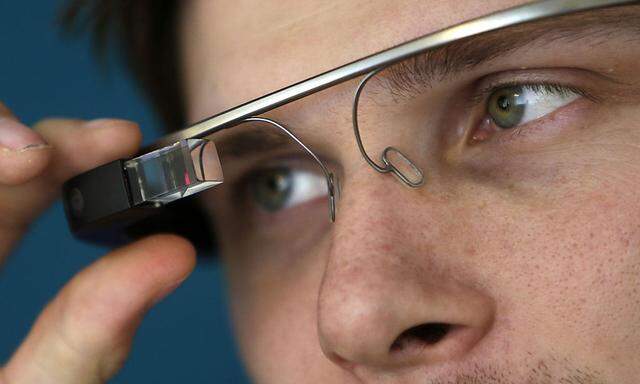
pixel 551 88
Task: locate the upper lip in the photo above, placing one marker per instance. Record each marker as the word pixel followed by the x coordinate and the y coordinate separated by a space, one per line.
pixel 460 372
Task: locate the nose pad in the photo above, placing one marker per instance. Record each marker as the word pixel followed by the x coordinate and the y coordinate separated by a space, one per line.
pixel 402 167
pixel 387 301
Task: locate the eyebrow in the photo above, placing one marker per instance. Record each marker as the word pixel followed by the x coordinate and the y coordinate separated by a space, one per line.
pixel 594 27
pixel 246 141
pixel 447 61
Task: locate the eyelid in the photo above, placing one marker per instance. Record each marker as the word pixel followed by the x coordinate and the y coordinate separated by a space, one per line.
pixel 551 80
pixel 302 162
pixel 296 160
pixel 238 167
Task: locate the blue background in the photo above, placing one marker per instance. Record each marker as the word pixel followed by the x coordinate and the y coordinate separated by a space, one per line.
pixel 186 338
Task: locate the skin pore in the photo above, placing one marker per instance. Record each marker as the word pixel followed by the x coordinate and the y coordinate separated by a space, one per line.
pixel 521 250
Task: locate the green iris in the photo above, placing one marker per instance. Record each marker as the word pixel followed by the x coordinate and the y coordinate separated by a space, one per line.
pixel 271 188
pixel 507 106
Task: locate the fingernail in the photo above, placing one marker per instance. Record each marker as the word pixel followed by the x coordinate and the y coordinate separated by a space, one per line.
pixel 14 135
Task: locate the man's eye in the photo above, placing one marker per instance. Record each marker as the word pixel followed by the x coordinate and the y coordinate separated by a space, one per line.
pixel 278 188
pixel 512 106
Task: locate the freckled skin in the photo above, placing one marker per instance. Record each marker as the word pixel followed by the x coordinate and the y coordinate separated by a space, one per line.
pixel 531 253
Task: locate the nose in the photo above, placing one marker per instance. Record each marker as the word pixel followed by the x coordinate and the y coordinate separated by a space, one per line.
pixel 392 295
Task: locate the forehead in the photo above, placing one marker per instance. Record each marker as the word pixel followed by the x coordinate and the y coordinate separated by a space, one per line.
pixel 236 51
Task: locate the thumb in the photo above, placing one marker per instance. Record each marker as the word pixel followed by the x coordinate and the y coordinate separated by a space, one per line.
pixel 85 333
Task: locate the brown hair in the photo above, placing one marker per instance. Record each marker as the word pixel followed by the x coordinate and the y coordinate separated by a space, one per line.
pixel 145 32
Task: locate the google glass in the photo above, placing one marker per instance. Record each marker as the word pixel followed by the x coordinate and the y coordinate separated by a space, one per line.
pixel 124 199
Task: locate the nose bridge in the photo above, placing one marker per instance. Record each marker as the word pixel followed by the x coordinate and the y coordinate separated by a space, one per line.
pixel 381 214
pixel 373 207
pixel 364 238
pixel 372 233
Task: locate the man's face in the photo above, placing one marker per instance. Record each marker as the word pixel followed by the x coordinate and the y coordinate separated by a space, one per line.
pixel 517 262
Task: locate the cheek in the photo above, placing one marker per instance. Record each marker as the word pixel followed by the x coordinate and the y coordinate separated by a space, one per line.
pixel 274 314
pixel 566 267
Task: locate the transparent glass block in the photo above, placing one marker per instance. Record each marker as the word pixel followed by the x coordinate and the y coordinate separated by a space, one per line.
pixel 173 172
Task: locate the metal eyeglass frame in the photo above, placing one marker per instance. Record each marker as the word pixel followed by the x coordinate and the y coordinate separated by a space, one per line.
pixel 375 63
pixel 369 66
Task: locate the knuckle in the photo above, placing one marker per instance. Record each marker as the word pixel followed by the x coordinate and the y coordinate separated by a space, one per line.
pixel 17 168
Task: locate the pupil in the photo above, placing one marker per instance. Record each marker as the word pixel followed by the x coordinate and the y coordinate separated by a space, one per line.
pixel 277 183
pixel 504 103
pixel 271 188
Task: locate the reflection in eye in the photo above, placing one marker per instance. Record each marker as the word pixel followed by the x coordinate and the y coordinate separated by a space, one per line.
pixel 515 105
pixel 277 188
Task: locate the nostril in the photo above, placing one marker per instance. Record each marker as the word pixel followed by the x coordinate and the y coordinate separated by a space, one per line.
pixel 421 335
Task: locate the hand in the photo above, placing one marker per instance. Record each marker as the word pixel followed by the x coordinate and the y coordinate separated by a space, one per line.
pixel 84 334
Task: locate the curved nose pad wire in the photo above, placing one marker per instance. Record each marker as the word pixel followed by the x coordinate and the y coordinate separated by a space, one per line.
pixel 418 178
pixel 332 184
